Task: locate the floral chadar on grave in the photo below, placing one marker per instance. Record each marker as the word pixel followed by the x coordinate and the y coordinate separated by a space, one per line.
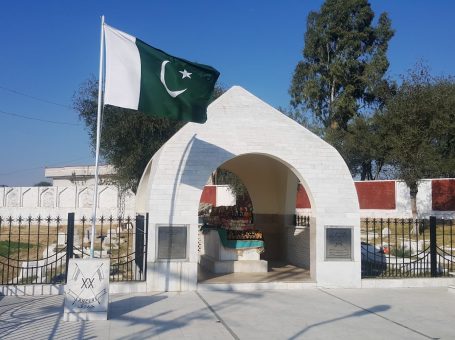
pixel 235 227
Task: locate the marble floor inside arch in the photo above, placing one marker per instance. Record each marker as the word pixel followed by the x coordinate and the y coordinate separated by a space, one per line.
pixel 277 272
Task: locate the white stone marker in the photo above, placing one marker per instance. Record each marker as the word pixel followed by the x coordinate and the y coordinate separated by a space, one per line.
pixel 61 238
pixel 87 290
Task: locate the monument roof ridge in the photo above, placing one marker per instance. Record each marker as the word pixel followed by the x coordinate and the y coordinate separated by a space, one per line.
pixel 238 101
pixel 239 106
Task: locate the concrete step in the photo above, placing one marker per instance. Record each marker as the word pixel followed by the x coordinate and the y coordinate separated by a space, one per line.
pixel 254 286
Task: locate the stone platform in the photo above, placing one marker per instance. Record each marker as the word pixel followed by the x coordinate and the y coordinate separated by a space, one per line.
pixel 232 266
pixel 219 259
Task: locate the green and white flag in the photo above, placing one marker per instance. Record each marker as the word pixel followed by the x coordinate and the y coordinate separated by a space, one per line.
pixel 146 79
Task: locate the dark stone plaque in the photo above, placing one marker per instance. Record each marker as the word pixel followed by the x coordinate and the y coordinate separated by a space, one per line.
pixel 172 241
pixel 338 243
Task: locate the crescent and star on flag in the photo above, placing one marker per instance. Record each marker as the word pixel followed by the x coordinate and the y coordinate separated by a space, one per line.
pixel 185 74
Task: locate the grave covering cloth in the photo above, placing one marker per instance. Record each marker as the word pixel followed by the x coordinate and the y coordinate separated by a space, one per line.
pixel 238 244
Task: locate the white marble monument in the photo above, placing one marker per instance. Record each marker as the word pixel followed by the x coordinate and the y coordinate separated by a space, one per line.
pixel 87 290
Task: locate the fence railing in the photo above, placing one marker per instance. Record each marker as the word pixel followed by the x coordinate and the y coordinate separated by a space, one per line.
pixel 407 247
pixel 302 220
pixel 37 250
pixel 32 250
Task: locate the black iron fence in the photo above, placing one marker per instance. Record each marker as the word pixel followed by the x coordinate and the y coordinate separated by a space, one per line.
pixel 37 250
pixel 407 248
pixel 32 250
pixel 301 220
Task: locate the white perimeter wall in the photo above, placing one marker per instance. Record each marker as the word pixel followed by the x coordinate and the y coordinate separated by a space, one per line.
pixel 59 201
pixel 224 196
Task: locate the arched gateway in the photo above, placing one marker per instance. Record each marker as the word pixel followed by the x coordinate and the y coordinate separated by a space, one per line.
pixel 270 153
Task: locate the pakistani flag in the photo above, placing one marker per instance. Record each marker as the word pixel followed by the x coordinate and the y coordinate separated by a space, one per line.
pixel 146 79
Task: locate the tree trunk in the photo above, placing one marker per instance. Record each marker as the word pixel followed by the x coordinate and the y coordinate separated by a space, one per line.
pixel 363 174
pixel 413 192
pixel 366 173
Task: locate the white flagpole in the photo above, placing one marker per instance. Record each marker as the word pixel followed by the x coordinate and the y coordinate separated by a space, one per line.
pixel 98 135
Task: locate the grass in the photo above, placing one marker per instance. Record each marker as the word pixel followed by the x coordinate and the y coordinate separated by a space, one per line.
pixel 13 247
pixel 405 231
pixel 401 252
pixel 30 242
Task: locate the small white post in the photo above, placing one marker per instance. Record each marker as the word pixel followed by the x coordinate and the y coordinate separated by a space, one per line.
pixel 98 135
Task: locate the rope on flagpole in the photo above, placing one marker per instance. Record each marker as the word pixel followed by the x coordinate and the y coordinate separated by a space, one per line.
pixel 98 136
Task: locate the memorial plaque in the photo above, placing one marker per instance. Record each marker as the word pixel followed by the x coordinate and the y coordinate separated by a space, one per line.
pixel 338 243
pixel 172 241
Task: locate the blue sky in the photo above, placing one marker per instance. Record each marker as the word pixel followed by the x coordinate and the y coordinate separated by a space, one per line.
pixel 48 48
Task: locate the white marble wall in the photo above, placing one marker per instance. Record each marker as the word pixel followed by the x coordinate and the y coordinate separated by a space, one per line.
pixel 59 201
pixel 298 246
pixel 240 124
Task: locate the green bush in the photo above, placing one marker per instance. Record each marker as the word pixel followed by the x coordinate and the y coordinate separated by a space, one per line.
pixel 401 252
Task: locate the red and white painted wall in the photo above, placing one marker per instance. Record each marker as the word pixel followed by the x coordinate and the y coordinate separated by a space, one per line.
pixel 391 198
pixel 388 198
pixel 217 195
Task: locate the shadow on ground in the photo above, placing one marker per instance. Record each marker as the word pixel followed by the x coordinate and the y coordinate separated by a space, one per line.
pixel 360 313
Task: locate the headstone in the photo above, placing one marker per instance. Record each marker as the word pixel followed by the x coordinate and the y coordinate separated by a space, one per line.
pixel 88 235
pixel 385 232
pixel 77 241
pixel 61 239
pixel 87 290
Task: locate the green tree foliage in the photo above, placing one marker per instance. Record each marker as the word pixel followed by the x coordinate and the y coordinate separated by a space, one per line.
pixel 344 62
pixel 43 184
pixel 341 81
pixel 129 138
pixel 420 125
pixel 363 146
pixel 236 186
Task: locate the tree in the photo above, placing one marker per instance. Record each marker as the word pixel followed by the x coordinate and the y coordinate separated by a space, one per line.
pixel 43 184
pixel 236 186
pixel 363 146
pixel 129 138
pixel 344 62
pixel 420 125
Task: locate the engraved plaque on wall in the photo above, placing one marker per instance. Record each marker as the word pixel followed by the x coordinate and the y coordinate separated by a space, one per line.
pixel 172 242
pixel 338 243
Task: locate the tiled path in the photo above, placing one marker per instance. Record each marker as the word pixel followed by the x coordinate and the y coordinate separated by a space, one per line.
pixel 404 313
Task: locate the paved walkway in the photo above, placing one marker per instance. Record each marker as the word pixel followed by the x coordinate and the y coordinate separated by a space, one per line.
pixel 277 272
pixel 422 313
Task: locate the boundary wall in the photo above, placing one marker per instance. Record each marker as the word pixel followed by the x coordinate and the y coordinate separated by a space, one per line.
pixel 389 198
pixel 56 201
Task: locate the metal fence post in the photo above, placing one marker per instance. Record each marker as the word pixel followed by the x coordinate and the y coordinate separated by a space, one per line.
pixel 146 244
pixel 69 242
pixel 433 262
pixel 139 256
